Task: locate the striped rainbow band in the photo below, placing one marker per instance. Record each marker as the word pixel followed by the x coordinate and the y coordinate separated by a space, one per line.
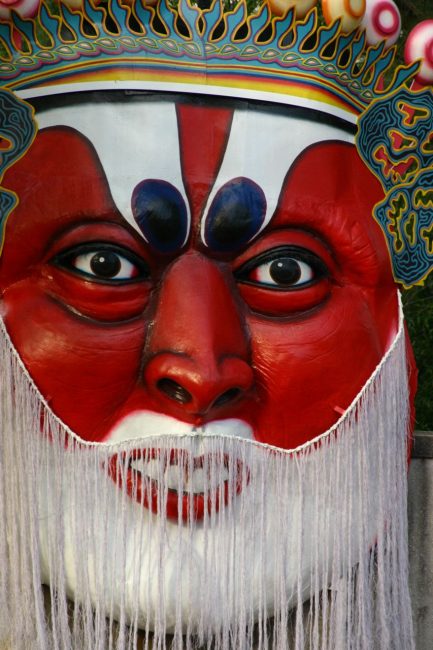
pixel 212 52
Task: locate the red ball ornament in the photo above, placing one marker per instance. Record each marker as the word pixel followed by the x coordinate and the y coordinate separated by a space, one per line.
pixel 382 22
pixel 419 46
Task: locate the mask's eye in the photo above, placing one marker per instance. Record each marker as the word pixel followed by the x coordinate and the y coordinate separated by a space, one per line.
pixel 103 262
pixel 283 268
pixel 283 272
pixel 284 281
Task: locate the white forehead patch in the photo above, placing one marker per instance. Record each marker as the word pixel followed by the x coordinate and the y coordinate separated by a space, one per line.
pixel 263 146
pixel 134 141
pixel 139 140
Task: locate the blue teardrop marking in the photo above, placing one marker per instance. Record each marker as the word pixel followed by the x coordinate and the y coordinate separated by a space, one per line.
pixel 236 215
pixel 160 212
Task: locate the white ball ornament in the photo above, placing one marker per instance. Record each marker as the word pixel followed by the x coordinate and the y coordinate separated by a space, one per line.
pixel 419 46
pixel 382 22
pixel 301 7
pixel 351 13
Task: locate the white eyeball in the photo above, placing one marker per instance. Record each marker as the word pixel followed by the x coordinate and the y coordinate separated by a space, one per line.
pixel 419 45
pixel 382 22
pixel 302 7
pixel 350 12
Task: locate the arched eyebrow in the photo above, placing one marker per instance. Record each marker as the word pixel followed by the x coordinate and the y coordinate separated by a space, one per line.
pixel 323 177
pixel 338 205
pixel 262 147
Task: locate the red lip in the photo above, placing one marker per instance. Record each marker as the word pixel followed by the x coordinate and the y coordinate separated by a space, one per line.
pixel 185 506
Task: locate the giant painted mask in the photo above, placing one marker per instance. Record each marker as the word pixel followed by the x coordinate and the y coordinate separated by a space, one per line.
pixel 210 383
pixel 189 268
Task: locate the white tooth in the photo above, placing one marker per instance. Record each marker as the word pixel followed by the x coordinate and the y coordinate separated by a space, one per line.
pixel 174 478
pixel 218 476
pixel 150 468
pixel 199 481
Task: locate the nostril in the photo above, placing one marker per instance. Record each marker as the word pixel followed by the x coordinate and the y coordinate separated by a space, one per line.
pixel 174 391
pixel 228 396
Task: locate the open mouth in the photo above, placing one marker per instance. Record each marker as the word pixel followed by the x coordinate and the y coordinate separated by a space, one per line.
pixel 175 482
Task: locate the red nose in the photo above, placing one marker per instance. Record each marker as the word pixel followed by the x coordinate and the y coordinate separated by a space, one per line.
pixel 198 346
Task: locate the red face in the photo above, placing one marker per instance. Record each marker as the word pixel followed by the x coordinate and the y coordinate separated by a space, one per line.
pixel 225 270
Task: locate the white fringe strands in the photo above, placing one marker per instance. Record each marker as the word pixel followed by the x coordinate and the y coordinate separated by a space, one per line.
pixel 309 552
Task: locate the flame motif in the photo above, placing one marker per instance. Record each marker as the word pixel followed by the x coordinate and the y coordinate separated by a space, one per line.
pixel 211 48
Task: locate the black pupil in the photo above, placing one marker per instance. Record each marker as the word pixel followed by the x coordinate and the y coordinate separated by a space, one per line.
pixel 285 270
pixel 106 264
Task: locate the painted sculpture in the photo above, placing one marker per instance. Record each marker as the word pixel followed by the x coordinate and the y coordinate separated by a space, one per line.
pixel 206 381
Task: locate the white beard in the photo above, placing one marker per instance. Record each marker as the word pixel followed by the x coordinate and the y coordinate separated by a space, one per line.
pixel 323 524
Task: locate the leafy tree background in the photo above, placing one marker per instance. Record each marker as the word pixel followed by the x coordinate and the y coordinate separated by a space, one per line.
pixel 419 300
pixel 413 11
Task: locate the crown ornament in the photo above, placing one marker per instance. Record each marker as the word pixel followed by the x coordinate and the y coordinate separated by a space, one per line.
pixel 341 62
pixel 229 52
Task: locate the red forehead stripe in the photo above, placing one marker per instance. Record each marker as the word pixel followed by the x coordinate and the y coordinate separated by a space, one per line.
pixel 203 135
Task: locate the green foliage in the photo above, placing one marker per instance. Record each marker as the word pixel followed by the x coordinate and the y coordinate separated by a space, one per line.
pixel 419 315
pixel 413 12
pixel 419 300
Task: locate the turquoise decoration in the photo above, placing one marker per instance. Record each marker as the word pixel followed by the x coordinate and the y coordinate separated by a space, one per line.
pixel 17 130
pixel 395 139
pixel 294 52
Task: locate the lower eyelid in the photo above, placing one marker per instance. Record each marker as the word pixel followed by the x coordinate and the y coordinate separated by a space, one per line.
pixel 101 301
pixel 274 302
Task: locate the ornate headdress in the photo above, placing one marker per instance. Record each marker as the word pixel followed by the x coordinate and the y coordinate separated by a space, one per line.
pixel 198 51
